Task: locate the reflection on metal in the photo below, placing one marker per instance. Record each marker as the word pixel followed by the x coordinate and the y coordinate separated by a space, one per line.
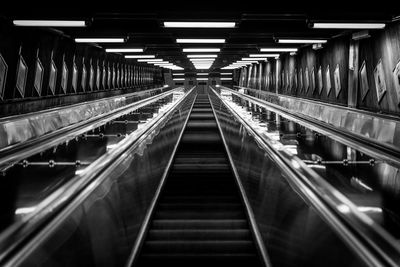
pixel 373 244
pixel 371 133
pixel 52 163
pixel 95 180
pixel 344 162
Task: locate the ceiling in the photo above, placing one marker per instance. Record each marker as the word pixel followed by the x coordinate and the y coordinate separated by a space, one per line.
pixel 256 25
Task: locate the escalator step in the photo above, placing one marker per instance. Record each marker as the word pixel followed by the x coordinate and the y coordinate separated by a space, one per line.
pixel 200 224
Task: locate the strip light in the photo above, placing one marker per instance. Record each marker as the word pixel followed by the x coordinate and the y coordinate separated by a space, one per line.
pixel 50 23
pixel 178 74
pixel 254 58
pixel 140 56
pixel 302 41
pixel 202 56
pixel 150 60
pixel 202 79
pixel 226 79
pixel 263 55
pixel 342 25
pixel 202 74
pixel 200 41
pixel 202 59
pixel 171 24
pixel 179 79
pixel 201 49
pixel 278 49
pixel 124 50
pixel 99 40
pixel 226 73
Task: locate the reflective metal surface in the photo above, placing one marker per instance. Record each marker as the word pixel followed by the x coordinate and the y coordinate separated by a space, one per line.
pixel 270 191
pixel 20 128
pixel 92 219
pixel 376 130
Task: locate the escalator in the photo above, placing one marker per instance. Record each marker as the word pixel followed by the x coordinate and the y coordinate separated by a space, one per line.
pixel 199 218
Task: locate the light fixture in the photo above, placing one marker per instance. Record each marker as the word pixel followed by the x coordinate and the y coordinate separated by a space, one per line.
pixel 344 25
pixel 178 74
pixel 202 74
pixel 226 79
pixel 278 49
pixel 200 41
pixel 226 73
pixel 124 50
pixel 140 56
pixel 201 49
pixel 254 58
pixel 183 24
pixel 99 40
pixel 263 55
pixel 179 79
pixel 50 23
pixel 202 79
pixel 150 60
pixel 202 56
pixel 302 41
pixel 202 59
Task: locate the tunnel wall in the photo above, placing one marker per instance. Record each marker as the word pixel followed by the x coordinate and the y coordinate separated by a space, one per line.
pixel 312 73
pixel 32 75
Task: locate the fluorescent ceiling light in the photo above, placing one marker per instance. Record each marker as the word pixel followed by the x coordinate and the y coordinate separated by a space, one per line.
pixel 202 56
pixel 201 49
pixel 140 56
pixel 225 73
pixel 278 49
pixel 150 60
pixel 50 23
pixel 202 79
pixel 202 74
pixel 99 40
pixel 125 50
pixel 302 41
pixel 200 41
pixel 263 55
pixel 178 74
pixel 170 24
pixel 179 79
pixel 254 58
pixel 202 59
pixel 226 79
pixel 341 25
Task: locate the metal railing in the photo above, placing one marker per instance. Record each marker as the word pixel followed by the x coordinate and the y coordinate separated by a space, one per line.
pixel 367 238
pixel 20 239
pixel 368 146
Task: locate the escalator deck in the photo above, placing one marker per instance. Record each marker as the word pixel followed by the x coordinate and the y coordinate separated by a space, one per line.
pixel 199 218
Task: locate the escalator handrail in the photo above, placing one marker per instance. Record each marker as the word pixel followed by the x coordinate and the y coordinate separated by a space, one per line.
pixel 55 109
pixel 18 240
pixel 368 146
pixel 369 240
pixel 20 151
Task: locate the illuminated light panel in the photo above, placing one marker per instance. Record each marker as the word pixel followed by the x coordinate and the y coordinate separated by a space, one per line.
pixel 226 73
pixel 254 58
pixel 140 56
pixel 226 79
pixel 179 79
pixel 178 74
pixel 201 49
pixel 202 59
pixel 200 41
pixel 150 60
pixel 278 49
pixel 202 79
pixel 202 56
pixel 263 55
pixel 202 74
pixel 50 23
pixel 183 24
pixel 342 25
pixel 124 50
pixel 99 40
pixel 302 41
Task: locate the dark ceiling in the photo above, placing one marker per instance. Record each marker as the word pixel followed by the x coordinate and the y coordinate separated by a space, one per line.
pixel 257 23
